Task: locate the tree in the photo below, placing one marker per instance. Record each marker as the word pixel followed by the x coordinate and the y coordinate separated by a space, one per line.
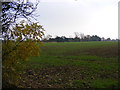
pixel 77 35
pixel 16 52
pixel 20 40
pixel 21 32
pixel 103 39
pixel 12 11
pixel 58 39
pixel 48 37
pixel 95 38
pixel 82 36
pixel 108 39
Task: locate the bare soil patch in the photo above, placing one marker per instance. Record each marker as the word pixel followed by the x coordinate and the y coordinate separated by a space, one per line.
pixel 60 77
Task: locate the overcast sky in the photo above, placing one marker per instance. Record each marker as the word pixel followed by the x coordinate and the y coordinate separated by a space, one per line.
pixel 91 17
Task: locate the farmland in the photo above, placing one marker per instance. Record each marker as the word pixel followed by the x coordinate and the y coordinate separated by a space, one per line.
pixel 73 65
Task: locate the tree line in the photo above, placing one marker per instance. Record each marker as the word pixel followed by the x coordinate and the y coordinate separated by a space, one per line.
pixel 78 37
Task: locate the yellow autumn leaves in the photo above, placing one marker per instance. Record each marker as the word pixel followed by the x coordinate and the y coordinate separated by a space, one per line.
pixel 32 31
pixel 25 39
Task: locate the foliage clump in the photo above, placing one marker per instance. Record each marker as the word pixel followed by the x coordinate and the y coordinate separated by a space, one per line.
pixel 24 42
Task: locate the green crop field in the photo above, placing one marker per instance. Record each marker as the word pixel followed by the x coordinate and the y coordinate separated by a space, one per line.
pixel 73 65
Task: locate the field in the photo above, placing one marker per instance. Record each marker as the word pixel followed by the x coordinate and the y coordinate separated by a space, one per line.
pixel 73 65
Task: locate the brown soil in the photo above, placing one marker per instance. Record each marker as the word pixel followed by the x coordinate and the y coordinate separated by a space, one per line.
pixel 59 77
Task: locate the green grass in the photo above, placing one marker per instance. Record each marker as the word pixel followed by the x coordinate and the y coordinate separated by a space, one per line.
pixel 99 83
pixel 78 64
pixel 103 83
